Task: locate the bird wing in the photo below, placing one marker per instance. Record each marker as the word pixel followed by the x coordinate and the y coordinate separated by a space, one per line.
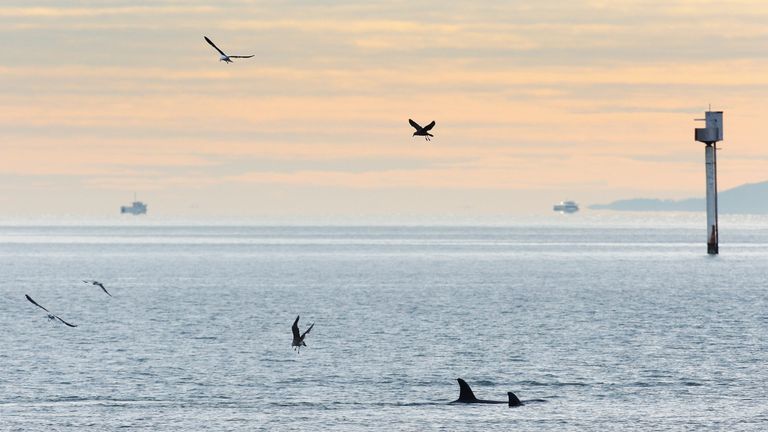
pixel 241 56
pixel 429 126
pixel 102 287
pixel 305 333
pixel 295 328
pixel 414 124
pixel 214 45
pixel 56 316
pixel 66 323
pixel 36 303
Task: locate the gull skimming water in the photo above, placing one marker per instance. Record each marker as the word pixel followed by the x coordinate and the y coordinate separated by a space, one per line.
pixel 98 284
pixel 51 316
pixel 298 339
pixel 422 131
pixel 225 58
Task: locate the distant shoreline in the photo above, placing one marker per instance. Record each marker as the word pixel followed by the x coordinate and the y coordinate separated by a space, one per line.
pixel 751 198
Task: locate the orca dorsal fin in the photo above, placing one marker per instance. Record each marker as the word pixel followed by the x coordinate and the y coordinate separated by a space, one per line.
pixel 513 400
pixel 465 392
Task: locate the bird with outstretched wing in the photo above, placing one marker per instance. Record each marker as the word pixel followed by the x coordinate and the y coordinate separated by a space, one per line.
pixel 422 131
pixel 51 315
pixel 98 284
pixel 298 339
pixel 224 57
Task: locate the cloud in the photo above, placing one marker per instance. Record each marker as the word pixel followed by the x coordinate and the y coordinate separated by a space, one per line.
pixel 80 12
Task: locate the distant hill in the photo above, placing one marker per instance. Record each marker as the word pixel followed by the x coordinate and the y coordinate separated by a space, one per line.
pixel 750 198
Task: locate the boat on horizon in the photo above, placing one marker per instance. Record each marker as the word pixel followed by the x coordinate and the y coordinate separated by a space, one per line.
pixel 566 207
pixel 136 208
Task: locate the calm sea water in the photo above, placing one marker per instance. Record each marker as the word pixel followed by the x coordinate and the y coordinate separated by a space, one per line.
pixel 616 325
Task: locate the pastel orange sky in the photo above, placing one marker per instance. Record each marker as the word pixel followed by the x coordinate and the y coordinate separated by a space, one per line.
pixel 535 102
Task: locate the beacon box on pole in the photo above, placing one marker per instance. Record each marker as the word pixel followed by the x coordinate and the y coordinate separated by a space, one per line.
pixel 713 132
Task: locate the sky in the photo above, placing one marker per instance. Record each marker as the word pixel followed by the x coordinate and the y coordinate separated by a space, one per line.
pixel 535 102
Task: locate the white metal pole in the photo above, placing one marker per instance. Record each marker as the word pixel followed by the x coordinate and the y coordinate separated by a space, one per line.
pixel 711 168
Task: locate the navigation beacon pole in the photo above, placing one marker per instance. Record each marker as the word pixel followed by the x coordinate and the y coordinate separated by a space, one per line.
pixel 710 135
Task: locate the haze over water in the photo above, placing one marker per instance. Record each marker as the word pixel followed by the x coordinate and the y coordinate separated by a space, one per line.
pixel 617 324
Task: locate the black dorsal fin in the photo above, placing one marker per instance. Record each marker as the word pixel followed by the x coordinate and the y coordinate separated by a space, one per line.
pixel 465 392
pixel 513 400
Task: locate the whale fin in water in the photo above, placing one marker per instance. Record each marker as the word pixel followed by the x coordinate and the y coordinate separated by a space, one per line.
pixel 513 400
pixel 466 395
pixel 465 392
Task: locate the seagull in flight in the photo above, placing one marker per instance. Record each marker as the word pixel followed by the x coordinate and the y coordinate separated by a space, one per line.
pixel 225 58
pixel 51 316
pixel 298 339
pixel 98 284
pixel 422 131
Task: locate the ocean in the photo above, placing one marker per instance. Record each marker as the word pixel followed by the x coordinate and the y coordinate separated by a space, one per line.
pixel 601 323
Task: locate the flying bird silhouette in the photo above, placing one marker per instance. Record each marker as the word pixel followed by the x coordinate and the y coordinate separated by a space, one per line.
pixel 422 131
pixel 298 339
pixel 51 316
pixel 98 284
pixel 225 58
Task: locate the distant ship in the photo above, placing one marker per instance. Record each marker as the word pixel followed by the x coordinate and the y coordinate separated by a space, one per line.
pixel 136 208
pixel 566 207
